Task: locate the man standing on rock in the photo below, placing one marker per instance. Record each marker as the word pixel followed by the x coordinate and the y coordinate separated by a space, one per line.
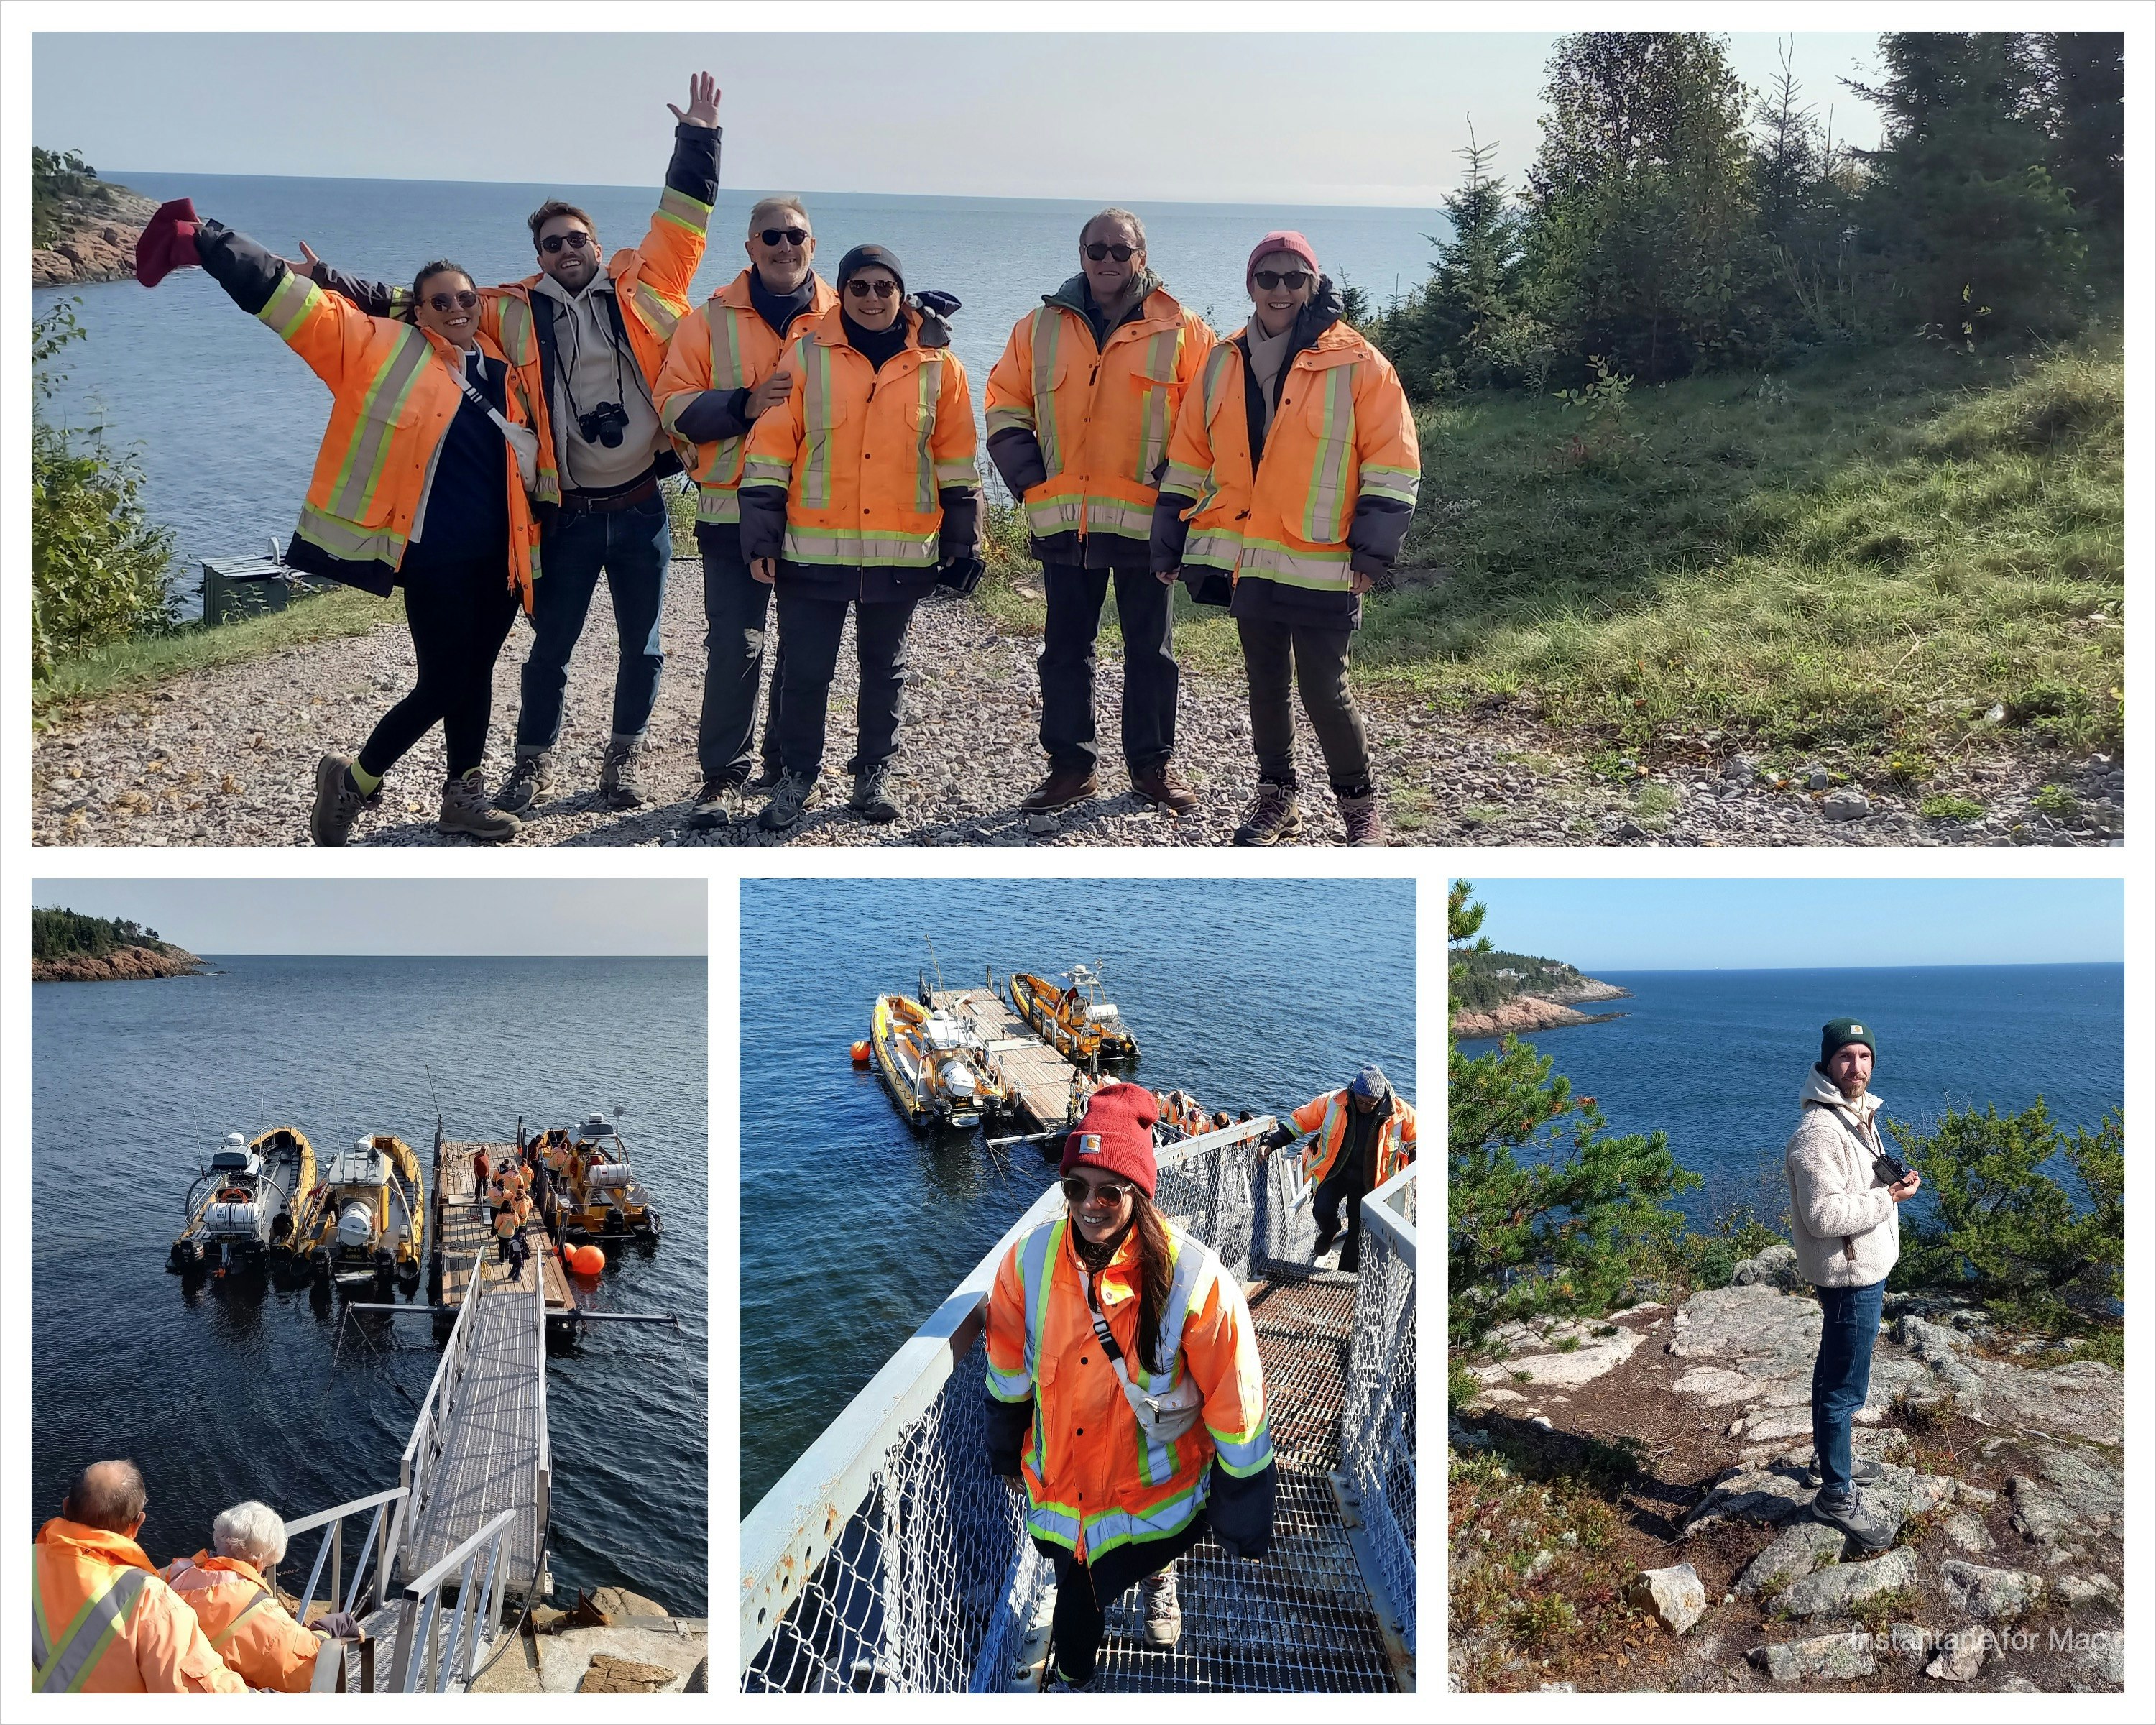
pixel 1080 409
pixel 1845 1194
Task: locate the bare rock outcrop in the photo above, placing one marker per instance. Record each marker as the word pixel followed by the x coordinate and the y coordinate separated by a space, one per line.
pixel 96 241
pixel 122 964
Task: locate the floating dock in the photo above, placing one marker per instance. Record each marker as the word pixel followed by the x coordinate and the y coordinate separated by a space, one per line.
pixel 465 1230
pixel 1040 1080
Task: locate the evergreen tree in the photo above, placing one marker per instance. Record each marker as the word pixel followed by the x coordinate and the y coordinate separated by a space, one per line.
pixel 1972 230
pixel 2084 83
pixel 1545 1217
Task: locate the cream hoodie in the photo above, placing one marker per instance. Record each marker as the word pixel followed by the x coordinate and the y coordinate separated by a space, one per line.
pixel 1845 1227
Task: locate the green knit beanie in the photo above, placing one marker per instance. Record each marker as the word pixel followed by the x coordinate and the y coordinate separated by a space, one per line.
pixel 1839 1033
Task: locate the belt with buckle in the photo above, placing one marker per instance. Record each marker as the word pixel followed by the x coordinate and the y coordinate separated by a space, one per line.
pixel 577 503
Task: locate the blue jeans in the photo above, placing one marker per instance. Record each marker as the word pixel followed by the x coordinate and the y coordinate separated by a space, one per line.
pixel 635 548
pixel 1841 1377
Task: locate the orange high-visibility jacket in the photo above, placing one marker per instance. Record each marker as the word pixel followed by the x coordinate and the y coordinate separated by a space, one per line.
pixel 1342 432
pixel 245 1622
pixel 104 1622
pixel 865 455
pixel 650 279
pixel 1092 1483
pixel 396 390
pixel 1325 1117
pixel 723 344
pixel 1101 417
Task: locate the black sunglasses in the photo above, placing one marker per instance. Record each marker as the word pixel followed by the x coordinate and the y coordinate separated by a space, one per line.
pixel 792 236
pixel 576 241
pixel 463 300
pixel 1288 279
pixel 861 290
pixel 1121 254
pixel 1110 1192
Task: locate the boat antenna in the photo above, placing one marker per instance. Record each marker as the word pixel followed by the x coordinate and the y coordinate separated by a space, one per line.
pixel 934 961
pixel 437 1095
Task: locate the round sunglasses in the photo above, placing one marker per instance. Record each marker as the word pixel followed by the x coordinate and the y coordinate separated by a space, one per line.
pixel 791 236
pixel 462 300
pixel 1121 254
pixel 1109 1192
pixel 1289 279
pixel 861 290
pixel 576 241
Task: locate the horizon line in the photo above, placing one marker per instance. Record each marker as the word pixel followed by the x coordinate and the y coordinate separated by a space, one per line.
pixel 1958 964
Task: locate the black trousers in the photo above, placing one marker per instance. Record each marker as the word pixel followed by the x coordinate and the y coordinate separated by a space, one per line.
pixel 1320 665
pixel 1347 1185
pixel 1150 676
pixel 812 628
pixel 1085 1591
pixel 458 614
pixel 737 609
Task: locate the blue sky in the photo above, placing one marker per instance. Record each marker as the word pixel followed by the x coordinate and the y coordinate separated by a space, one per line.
pixel 1220 117
pixel 1776 925
pixel 490 919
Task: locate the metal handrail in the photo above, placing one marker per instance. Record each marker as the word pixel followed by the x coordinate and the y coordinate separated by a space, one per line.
pixel 332 1547
pixel 413 1466
pixel 1390 1210
pixel 787 1535
pixel 419 1613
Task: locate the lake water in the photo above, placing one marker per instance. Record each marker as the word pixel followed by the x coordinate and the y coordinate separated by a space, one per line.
pixel 1251 995
pixel 227 420
pixel 1716 1059
pixel 224 1396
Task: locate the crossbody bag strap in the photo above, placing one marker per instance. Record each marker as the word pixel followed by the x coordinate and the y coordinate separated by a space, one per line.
pixel 1114 1350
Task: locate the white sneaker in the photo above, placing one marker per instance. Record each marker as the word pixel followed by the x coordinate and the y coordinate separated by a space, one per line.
pixel 1163 1611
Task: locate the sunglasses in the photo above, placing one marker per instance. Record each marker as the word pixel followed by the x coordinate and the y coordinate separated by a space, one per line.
pixel 1289 279
pixel 1108 1192
pixel 792 236
pixel 861 290
pixel 1121 254
pixel 575 241
pixel 462 300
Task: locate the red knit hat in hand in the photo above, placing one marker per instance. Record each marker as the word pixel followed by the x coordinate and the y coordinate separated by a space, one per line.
pixel 1283 239
pixel 1116 1136
pixel 168 243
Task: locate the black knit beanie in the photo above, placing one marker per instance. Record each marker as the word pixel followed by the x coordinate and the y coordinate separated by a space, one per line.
pixel 1838 1034
pixel 862 256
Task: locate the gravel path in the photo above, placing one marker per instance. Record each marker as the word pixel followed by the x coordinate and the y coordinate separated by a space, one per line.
pixel 226 757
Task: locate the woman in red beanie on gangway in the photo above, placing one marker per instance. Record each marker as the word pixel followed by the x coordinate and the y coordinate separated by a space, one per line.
pixel 1127 1400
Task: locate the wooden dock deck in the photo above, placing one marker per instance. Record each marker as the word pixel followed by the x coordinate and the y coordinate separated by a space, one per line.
pixel 467 1232
pixel 1037 1075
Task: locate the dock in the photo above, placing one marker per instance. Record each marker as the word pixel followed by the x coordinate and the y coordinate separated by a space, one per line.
pixel 465 1233
pixel 1035 1074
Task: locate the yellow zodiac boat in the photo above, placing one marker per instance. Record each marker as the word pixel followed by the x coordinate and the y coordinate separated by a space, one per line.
pixel 245 1205
pixel 366 1219
pixel 597 1193
pixel 934 1063
pixel 1074 1021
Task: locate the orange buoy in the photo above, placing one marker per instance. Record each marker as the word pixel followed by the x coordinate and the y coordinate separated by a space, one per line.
pixel 861 1052
pixel 587 1260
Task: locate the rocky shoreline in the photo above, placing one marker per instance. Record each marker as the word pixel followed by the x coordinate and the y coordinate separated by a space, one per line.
pixel 226 757
pixel 1546 1009
pixel 97 243
pixel 123 964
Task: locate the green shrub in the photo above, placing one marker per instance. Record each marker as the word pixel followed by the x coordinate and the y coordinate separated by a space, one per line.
pixel 1945 807
pixel 97 562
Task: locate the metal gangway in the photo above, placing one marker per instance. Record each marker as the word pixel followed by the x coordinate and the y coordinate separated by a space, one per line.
pixel 463 1533
pixel 889 1559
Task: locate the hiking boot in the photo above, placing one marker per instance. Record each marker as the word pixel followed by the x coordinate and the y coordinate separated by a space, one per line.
pixel 1163 1611
pixel 618 787
pixel 789 800
pixel 465 809
pixel 767 776
pixel 1365 824
pixel 1064 786
pixel 529 780
pixel 1863 1470
pixel 1848 1513
pixel 1163 788
pixel 873 798
pixel 714 806
pixel 1272 815
pixel 337 800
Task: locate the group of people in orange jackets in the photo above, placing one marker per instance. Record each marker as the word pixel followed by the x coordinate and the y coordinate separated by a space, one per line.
pixel 106 1621
pixel 1126 1396
pixel 493 447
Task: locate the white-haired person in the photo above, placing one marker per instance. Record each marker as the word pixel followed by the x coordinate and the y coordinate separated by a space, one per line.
pixel 238 1610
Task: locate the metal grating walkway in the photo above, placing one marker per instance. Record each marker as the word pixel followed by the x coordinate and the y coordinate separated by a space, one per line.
pixel 1300 1621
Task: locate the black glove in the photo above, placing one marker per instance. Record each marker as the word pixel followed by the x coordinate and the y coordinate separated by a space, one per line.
pixel 1282 1134
pixel 960 574
pixel 339 1625
pixel 1208 587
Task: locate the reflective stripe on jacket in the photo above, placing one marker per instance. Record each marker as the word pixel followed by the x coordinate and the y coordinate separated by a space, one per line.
pixel 103 1621
pixel 395 392
pixel 245 1623
pixel 1092 1481
pixel 865 455
pixel 723 344
pixel 1326 1117
pixel 1101 417
pixel 1342 432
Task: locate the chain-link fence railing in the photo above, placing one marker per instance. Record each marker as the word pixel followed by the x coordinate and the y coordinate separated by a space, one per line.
pixel 1377 1424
